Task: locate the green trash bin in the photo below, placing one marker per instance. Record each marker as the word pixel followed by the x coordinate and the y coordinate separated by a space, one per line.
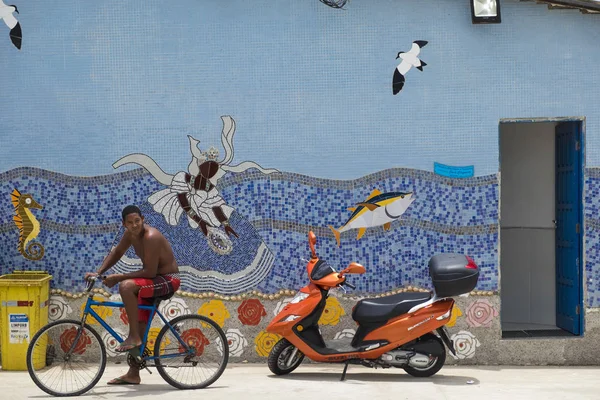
pixel 24 298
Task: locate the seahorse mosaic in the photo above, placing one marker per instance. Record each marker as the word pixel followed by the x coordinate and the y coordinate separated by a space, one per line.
pixel 29 226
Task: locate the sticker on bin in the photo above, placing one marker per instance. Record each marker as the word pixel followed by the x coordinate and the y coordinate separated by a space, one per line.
pixel 18 328
pixel 18 303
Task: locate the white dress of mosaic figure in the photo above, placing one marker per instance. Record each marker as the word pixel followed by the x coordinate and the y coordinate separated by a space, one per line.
pixel 194 192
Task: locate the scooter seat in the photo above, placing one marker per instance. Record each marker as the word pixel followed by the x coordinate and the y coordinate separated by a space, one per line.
pixel 384 308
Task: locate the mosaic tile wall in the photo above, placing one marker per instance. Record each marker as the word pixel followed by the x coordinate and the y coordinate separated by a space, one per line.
pixel 321 85
pixel 244 323
pixel 81 219
pixel 474 328
pixel 592 236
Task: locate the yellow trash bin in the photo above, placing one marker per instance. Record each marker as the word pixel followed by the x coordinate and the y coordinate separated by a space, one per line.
pixel 24 297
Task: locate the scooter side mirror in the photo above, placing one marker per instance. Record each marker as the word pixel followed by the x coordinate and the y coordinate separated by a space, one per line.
pixel 353 268
pixel 312 241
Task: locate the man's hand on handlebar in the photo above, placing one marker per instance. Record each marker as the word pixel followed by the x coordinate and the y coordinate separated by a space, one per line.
pixel 92 276
pixel 89 275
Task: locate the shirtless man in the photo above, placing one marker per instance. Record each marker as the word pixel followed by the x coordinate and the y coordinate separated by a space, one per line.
pixel 158 277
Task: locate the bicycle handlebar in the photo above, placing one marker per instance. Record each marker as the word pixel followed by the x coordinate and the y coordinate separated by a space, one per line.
pixel 91 281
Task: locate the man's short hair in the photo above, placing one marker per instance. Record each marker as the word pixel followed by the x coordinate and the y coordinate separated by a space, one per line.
pixel 130 210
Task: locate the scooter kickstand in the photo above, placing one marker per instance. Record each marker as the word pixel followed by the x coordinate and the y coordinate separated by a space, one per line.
pixel 345 368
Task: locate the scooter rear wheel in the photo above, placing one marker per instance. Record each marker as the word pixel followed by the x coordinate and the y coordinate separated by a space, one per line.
pixel 279 358
pixel 435 364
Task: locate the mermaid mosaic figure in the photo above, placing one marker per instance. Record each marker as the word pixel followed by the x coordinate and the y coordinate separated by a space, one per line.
pixel 194 192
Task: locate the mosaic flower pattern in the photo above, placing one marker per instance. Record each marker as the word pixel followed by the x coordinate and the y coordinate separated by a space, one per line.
pixel 58 308
pixel 481 313
pixel 236 342
pixel 332 313
pixel 251 311
pixel 194 338
pixel 67 338
pixel 151 341
pixel 454 316
pixel 215 310
pixel 465 344
pixel 122 313
pixel 123 316
pixel 264 342
pixel 173 308
pixel 103 312
pixel 111 343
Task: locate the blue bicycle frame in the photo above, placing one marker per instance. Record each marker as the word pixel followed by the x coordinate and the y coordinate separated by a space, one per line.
pixel 153 310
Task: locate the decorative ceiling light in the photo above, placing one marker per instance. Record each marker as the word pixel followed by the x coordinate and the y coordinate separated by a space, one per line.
pixel 485 11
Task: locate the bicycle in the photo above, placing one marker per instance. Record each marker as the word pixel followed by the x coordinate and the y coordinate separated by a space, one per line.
pixel 70 345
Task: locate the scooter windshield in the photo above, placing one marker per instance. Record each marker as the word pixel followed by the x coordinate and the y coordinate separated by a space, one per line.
pixel 321 270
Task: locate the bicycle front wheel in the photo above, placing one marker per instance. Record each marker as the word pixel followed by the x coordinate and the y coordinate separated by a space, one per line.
pixel 198 363
pixel 66 359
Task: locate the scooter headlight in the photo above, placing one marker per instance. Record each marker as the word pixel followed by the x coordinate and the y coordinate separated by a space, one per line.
pixel 299 297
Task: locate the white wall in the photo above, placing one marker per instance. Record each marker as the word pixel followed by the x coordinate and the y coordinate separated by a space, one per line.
pixel 527 245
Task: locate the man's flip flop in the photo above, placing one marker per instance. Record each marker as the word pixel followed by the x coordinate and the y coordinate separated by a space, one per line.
pixel 135 352
pixel 121 381
pixel 127 347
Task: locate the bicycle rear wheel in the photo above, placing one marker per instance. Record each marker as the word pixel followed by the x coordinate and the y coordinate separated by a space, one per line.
pixel 203 364
pixel 64 359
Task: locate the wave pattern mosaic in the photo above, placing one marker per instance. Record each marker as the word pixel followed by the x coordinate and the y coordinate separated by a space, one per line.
pixel 272 215
pixel 80 222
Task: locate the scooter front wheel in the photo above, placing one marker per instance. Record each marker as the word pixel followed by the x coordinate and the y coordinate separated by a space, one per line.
pixel 284 358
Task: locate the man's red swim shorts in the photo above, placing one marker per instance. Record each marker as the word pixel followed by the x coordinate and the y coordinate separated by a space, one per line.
pixel 161 285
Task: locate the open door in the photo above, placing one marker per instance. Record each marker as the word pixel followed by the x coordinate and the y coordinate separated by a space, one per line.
pixel 569 296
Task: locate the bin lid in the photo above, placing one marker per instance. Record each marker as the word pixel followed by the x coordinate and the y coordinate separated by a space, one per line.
pixel 25 277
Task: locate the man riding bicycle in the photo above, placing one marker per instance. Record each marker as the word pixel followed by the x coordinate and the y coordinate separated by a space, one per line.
pixel 158 277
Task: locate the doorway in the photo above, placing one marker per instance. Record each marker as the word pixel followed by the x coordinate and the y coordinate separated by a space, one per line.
pixel 541 227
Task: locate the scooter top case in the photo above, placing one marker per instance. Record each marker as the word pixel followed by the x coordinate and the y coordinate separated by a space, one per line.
pixel 453 274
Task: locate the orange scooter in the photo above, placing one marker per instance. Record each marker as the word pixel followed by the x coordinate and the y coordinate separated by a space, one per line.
pixel 393 331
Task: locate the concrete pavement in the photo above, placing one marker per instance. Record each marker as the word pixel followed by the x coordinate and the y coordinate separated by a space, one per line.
pixel 255 381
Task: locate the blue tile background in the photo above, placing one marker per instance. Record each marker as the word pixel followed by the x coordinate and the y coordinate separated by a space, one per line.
pixel 77 201
pixel 308 86
pixel 396 260
pixel 83 219
pixel 275 210
pixel 592 236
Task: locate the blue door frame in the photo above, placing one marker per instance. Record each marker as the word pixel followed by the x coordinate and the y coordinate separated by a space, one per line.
pixel 569 226
pixel 569 173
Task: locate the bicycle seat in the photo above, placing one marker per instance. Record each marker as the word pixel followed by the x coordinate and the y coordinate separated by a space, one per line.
pixel 158 299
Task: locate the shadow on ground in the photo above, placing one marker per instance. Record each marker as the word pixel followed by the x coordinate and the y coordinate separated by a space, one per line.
pixel 131 391
pixel 438 379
